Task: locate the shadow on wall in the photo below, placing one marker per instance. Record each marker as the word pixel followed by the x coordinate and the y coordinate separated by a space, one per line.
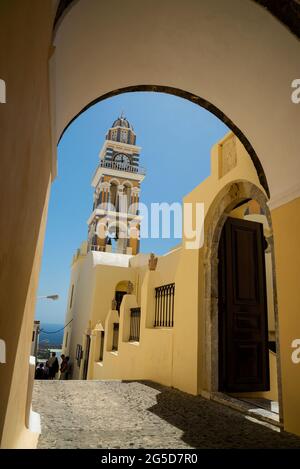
pixel 207 424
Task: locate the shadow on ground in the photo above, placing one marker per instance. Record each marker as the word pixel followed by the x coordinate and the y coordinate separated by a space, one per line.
pixel 207 424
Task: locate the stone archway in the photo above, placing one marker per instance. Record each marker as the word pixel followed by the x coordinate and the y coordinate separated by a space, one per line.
pixel 228 198
pixel 219 72
pixel 288 12
pixel 208 106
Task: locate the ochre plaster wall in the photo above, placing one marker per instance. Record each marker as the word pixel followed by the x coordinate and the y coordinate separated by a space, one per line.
pixel 286 226
pixel 25 166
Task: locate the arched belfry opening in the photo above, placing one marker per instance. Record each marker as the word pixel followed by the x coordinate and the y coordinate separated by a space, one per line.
pixel 113 196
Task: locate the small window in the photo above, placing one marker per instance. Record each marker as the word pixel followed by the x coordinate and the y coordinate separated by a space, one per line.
pixel 124 136
pixel 71 298
pixel 115 340
pixel 101 346
pixel 78 354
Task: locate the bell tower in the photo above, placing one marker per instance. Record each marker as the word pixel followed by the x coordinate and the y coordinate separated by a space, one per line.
pixel 114 222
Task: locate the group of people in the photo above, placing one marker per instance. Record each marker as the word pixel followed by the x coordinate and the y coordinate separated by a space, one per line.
pixel 50 369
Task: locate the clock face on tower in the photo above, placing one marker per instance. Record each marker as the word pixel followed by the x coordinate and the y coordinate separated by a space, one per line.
pixel 122 159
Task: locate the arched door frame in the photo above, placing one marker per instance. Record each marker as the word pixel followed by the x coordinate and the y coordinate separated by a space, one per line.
pixel 228 198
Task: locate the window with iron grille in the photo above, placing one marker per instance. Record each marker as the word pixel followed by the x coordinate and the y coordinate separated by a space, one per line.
pixel 164 305
pixel 135 324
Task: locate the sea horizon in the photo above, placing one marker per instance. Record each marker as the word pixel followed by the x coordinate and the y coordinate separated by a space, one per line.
pixel 55 337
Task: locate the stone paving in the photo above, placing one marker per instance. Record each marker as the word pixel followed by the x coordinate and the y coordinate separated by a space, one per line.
pixel 115 414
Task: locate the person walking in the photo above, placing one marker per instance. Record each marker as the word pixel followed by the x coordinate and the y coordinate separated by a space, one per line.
pixel 69 368
pixel 53 365
pixel 63 367
pixel 39 372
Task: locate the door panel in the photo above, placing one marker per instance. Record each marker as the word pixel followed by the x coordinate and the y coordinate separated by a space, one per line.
pixel 243 327
pixel 245 286
pixel 86 357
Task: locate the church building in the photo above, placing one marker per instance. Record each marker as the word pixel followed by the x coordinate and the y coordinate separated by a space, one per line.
pixel 202 320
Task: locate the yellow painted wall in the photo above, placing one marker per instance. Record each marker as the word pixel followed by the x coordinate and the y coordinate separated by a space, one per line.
pixel 193 261
pixel 82 282
pixel 180 351
pixel 185 361
pixel 25 173
pixel 94 289
pixel 106 281
pixel 286 226
pixel 183 368
pixel 208 190
pixel 152 357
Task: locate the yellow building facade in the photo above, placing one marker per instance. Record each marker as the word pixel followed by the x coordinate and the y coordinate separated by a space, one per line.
pixel 164 330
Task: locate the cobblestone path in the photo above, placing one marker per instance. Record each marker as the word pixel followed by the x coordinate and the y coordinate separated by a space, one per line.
pixel 114 414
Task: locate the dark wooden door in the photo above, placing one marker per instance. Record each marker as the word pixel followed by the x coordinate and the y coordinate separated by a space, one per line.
pixel 86 358
pixel 243 323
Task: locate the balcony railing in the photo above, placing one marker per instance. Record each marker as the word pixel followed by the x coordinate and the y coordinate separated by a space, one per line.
pixel 121 167
pixel 93 247
pixel 164 305
pixel 135 324
pixel 109 248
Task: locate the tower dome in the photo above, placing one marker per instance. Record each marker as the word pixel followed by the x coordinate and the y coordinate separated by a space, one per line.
pixel 122 122
pixel 121 131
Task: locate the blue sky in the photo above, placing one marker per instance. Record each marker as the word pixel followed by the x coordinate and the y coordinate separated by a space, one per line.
pixel 176 137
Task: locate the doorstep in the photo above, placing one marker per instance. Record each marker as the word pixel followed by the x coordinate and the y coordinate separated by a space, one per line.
pixel 246 407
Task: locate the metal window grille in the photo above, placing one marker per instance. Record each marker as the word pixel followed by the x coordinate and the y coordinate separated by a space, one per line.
pixel 164 305
pixel 135 324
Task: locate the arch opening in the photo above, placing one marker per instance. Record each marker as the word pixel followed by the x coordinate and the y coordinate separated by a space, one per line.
pixel 288 12
pixel 196 100
pixel 244 204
